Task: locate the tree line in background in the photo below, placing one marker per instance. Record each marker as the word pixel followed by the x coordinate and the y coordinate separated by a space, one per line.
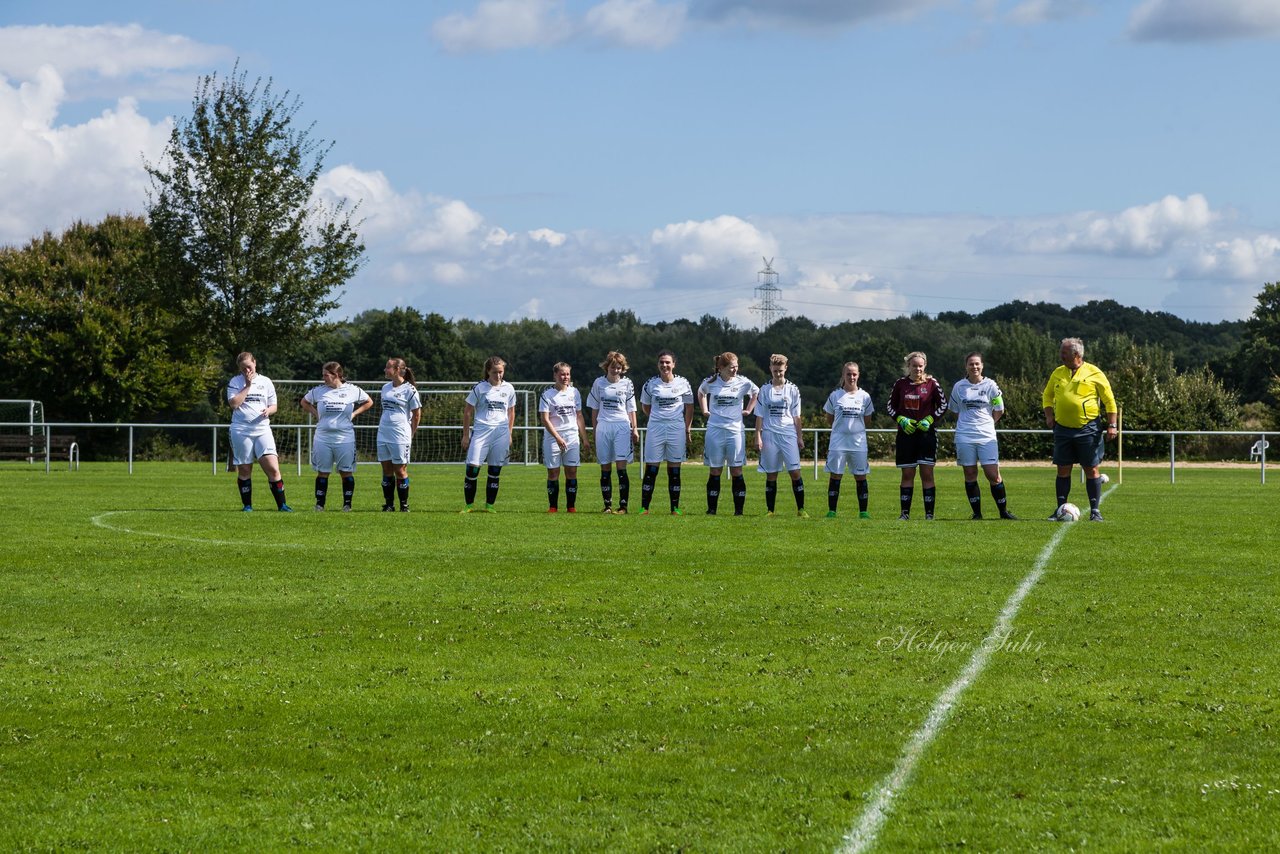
pixel 140 318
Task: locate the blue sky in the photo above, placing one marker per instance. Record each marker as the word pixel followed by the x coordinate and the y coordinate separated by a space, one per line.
pixel 559 158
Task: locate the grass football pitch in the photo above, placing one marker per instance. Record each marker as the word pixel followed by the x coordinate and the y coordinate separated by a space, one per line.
pixel 177 675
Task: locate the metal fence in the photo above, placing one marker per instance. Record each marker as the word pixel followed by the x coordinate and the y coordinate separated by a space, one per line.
pixel 434 444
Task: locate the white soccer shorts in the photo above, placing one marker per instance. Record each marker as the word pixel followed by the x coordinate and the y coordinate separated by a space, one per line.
pixel 780 453
pixel 554 458
pixel 489 445
pixel 724 447
pixel 985 453
pixel 665 443
pixel 248 446
pixel 333 456
pixel 613 442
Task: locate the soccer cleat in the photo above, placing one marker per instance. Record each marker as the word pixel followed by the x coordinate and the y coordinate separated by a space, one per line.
pixel 802 514
pixel 1095 515
pixel 1008 515
pixel 905 517
pixel 319 508
pixel 977 517
pixel 607 511
pixel 488 508
pixel 676 511
pixel 863 514
pixel 248 508
pixel 928 517
pixel 468 509
pixel 553 510
pixel 644 511
pixel 770 513
pixel 738 513
pixel 711 512
pixel 404 508
pixel 346 508
pixel 831 514
pixel 572 510
pixel 621 511
pixel 285 508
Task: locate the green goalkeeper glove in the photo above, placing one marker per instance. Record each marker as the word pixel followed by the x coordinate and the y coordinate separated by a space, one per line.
pixel 908 426
pixel 925 423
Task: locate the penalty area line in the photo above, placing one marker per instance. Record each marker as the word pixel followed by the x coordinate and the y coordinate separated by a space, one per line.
pixel 862 836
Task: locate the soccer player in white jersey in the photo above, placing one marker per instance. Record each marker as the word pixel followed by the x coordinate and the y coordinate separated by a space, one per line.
pixel 335 404
pixel 488 419
pixel 401 414
pixel 978 404
pixel 560 408
pixel 848 408
pixel 252 398
pixel 668 405
pixel 725 398
pixel 612 402
pixel 779 437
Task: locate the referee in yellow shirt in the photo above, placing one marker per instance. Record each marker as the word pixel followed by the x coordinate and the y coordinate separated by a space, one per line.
pixel 1081 410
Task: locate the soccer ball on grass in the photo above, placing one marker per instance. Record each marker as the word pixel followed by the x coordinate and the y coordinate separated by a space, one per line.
pixel 1068 513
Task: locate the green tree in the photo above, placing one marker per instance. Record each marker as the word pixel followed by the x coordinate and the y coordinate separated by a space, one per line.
pixel 86 328
pixel 1258 358
pixel 253 256
pixel 430 345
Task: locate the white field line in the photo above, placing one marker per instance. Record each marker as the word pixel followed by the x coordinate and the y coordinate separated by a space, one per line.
pixel 101 521
pixel 862 836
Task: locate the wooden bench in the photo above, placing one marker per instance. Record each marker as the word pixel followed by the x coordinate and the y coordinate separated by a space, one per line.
pixel 23 446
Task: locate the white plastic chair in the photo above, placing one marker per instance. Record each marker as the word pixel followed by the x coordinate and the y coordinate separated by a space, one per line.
pixel 1255 453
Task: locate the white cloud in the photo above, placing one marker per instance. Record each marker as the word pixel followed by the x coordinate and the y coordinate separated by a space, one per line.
pixel 1243 258
pixel 451 225
pixel 547 236
pixel 1044 11
pixel 1202 20
pixel 1143 230
pixel 504 25
pixel 636 23
pixel 712 245
pixel 52 175
pixel 106 51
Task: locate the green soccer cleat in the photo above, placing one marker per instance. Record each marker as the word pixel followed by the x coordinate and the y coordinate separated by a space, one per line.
pixel 831 514
pixel 863 514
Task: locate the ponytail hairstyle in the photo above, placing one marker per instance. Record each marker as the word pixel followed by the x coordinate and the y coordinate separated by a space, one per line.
pixel 403 370
pixel 334 368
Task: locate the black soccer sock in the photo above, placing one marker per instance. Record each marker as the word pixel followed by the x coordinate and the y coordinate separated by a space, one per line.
pixel 673 487
pixel 606 488
pixel 864 495
pixel 322 490
pixel 570 492
pixel 739 494
pixel 930 498
pixel 770 494
pixel 797 489
pixel 974 494
pixel 905 495
pixel 647 484
pixel 713 493
pixel 491 485
pixel 469 485
pixel 624 489
pixel 402 490
pixel 553 493
pixel 1093 486
pixel 246 491
pixel 348 489
pixel 833 494
pixel 388 491
pixel 1063 486
pixel 1002 500
pixel 277 492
